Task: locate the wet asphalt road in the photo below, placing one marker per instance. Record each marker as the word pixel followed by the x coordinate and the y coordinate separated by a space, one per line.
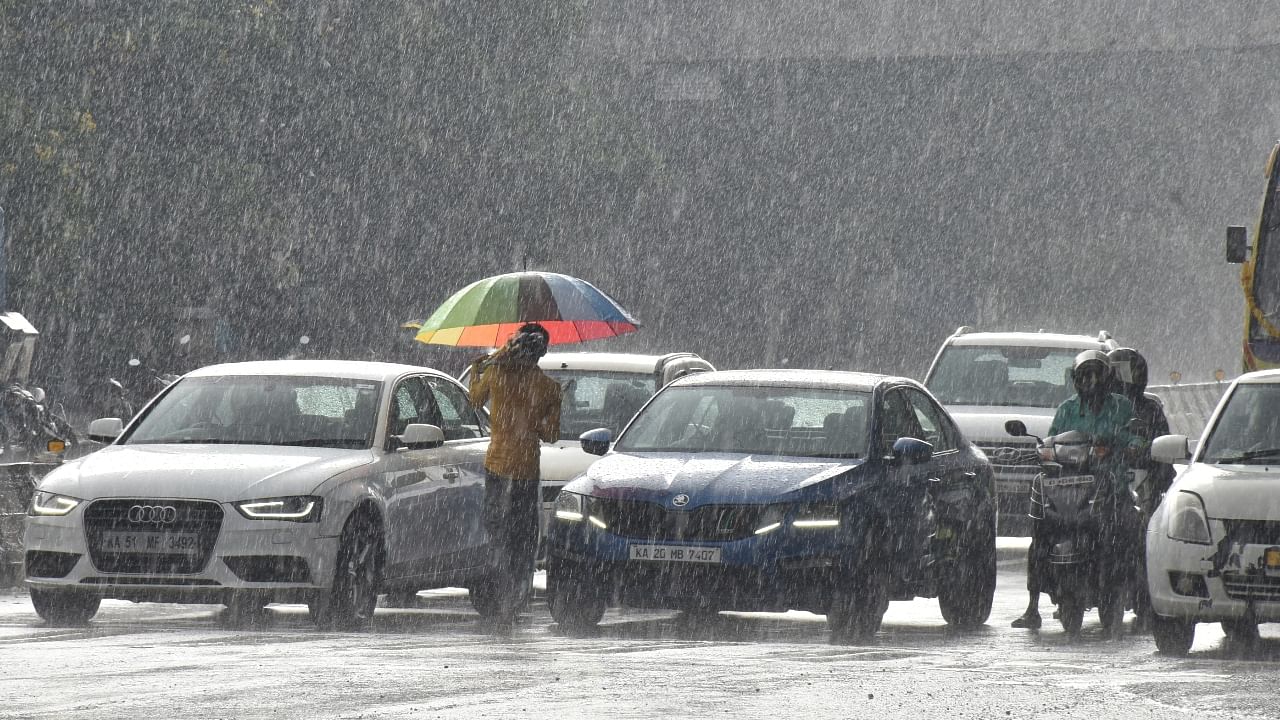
pixel 436 660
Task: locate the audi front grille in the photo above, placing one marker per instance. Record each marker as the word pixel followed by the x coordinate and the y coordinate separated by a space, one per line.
pixel 151 536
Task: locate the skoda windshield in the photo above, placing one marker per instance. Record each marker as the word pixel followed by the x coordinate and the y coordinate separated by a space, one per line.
pixel 1003 375
pixel 755 420
pixel 263 410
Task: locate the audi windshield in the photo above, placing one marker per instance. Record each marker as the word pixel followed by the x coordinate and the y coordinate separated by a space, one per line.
pixel 263 410
pixel 756 420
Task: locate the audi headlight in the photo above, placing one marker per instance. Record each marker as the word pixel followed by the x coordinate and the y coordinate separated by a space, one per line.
pixel 569 507
pixel 295 508
pixel 52 504
pixel 1188 521
pixel 817 515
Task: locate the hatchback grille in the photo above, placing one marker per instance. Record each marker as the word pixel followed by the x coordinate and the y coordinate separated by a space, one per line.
pixel 1251 587
pixel 1253 532
pixel 198 518
pixel 638 519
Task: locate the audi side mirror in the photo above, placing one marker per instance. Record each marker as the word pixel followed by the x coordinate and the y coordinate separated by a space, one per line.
pixel 105 430
pixel 419 436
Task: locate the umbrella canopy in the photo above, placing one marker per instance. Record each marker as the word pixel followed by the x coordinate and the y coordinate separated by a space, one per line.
pixel 487 312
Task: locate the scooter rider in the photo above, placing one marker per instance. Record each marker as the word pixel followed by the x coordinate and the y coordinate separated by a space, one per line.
pixel 1094 410
pixel 1129 379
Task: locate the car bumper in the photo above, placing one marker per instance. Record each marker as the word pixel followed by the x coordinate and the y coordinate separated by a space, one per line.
pixel 274 560
pixel 772 572
pixel 1184 583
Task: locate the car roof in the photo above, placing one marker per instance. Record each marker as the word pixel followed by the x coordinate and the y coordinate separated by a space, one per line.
pixel 354 369
pixel 615 362
pixel 835 379
pixel 1260 376
pixel 1031 339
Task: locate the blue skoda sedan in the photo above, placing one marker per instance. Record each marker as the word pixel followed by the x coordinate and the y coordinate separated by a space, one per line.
pixel 769 490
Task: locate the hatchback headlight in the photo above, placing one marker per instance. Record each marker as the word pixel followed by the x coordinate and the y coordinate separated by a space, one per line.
pixel 52 504
pixel 1188 521
pixel 295 508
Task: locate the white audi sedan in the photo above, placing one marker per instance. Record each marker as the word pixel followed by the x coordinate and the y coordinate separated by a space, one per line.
pixel 1213 545
pixel 322 482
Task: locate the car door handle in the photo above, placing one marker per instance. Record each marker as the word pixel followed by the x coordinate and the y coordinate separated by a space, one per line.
pixel 452 474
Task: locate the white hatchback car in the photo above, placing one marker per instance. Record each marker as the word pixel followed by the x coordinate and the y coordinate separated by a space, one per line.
pixel 1213 545
pixel 313 481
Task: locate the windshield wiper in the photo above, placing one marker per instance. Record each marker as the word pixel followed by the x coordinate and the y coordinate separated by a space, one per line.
pixel 1247 456
pixel 325 442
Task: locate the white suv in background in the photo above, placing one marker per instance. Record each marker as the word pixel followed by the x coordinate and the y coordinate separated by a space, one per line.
pixel 601 390
pixel 987 378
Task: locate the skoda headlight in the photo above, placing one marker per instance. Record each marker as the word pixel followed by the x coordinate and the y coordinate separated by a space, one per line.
pixel 295 508
pixel 52 504
pixel 572 507
pixel 1188 521
pixel 569 506
pixel 771 519
pixel 817 515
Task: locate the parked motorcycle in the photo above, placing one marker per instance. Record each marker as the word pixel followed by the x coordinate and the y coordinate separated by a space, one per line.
pixel 124 398
pixel 1087 531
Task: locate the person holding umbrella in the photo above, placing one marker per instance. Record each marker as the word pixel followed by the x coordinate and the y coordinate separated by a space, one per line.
pixel 524 411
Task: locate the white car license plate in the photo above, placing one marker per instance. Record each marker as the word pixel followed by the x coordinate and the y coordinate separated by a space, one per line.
pixel 150 542
pixel 675 553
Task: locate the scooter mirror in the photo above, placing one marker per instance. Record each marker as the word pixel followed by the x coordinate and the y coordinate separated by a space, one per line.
pixel 1016 428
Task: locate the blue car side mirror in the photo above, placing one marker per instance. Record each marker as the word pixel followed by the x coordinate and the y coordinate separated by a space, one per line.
pixel 596 442
pixel 912 450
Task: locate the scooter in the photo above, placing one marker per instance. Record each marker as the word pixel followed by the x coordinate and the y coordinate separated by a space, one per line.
pixel 1087 529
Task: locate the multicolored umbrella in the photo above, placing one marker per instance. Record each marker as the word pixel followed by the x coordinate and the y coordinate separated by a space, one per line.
pixel 487 312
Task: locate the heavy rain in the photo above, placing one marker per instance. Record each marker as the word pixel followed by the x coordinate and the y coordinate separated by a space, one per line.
pixel 808 186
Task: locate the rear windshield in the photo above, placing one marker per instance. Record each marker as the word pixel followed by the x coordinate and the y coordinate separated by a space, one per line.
pixel 798 422
pixel 596 399
pixel 263 410
pixel 1005 376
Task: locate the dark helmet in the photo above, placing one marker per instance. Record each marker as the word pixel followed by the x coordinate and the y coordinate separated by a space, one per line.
pixel 1091 373
pixel 1129 369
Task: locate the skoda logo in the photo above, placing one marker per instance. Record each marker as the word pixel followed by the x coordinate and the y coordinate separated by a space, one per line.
pixel 153 514
pixel 680 500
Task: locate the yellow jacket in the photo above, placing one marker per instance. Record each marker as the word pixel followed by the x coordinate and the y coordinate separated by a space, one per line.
pixel 525 408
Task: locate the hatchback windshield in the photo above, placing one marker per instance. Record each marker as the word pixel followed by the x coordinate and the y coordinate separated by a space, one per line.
pixel 595 399
pixel 264 410
pixel 801 422
pixel 1009 375
pixel 1248 430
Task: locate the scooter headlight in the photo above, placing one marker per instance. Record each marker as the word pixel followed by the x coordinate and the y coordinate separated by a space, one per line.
pixel 1188 521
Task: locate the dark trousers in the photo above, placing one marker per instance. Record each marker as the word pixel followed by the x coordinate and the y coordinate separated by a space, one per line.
pixel 511 522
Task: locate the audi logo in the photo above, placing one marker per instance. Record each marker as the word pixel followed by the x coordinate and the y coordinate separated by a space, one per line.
pixel 153 514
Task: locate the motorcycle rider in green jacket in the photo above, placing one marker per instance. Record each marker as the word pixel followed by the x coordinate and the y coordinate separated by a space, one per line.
pixel 1105 416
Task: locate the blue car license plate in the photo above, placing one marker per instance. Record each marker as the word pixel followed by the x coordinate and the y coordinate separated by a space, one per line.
pixel 675 553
